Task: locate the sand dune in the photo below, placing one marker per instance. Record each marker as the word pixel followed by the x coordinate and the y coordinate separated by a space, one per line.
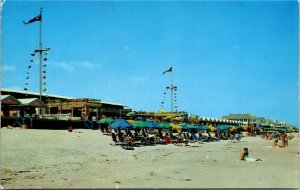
pixel 86 159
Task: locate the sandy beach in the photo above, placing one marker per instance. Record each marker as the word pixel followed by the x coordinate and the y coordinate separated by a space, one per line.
pixel 86 159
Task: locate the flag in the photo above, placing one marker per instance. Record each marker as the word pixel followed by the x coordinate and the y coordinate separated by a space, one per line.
pixel 29 66
pixel 37 18
pixel 27 78
pixel 44 77
pixel 44 71
pixel 169 70
pixel 45 59
pixel 45 90
pixel 44 83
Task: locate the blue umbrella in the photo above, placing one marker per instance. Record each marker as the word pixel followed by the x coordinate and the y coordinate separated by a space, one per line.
pixel 202 127
pixel 222 127
pixel 184 127
pixel 152 125
pixel 120 124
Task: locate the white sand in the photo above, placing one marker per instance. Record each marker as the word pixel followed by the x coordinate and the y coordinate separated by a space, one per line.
pixel 59 159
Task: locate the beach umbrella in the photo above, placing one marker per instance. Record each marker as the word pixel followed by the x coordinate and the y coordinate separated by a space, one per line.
pixel 139 124
pixel 165 125
pixel 222 127
pixel 232 128
pixel 153 125
pixel 202 127
pixel 192 126
pixel 175 126
pixel 184 127
pixel 130 121
pixel 120 124
pixel 238 127
pixel 212 128
pixel 105 120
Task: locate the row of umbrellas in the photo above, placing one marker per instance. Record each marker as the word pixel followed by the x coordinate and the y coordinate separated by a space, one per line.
pixel 131 124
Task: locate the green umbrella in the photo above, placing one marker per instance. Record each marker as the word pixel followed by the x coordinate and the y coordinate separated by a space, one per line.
pixel 106 120
pixel 165 125
pixel 192 126
pixel 139 124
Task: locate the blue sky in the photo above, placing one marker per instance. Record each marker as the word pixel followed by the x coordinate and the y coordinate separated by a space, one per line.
pixel 227 57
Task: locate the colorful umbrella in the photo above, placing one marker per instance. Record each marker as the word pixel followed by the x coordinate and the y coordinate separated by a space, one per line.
pixel 120 124
pixel 105 120
pixel 202 127
pixel 175 126
pixel 130 121
pixel 139 124
pixel 184 127
pixel 165 125
pixel 212 128
pixel 192 126
pixel 153 125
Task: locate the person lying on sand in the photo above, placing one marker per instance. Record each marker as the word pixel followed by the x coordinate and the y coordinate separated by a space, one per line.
pixel 275 144
pixel 245 156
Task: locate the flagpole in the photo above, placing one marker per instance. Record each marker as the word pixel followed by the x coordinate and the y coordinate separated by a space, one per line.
pixel 172 91
pixel 41 55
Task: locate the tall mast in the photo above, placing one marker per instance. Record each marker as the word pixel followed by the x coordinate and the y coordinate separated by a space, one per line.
pixel 41 54
pixel 172 88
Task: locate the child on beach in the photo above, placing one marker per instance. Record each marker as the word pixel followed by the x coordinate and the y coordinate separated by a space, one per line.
pixel 245 156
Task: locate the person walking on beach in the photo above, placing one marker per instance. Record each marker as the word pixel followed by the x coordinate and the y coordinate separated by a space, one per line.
pixel 283 139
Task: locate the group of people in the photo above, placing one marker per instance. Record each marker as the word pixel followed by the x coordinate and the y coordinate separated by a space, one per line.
pixel 284 141
pixel 152 136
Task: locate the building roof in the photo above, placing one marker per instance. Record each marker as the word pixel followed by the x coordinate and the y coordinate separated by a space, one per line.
pixel 9 100
pixel 239 116
pixel 6 90
pixel 35 102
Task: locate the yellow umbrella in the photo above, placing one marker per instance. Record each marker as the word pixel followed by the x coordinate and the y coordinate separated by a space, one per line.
pixel 232 128
pixel 212 128
pixel 178 118
pixel 130 121
pixel 245 127
pixel 175 126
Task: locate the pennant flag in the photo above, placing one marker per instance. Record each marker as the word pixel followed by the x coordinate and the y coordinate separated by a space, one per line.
pixel 44 65
pixel 37 18
pixel 44 71
pixel 45 90
pixel 25 88
pixel 44 77
pixel 169 70
pixel 44 83
pixel 29 66
pixel 31 60
pixel 26 83
pixel 27 78
pixel 32 54
pixel 46 53
pixel 45 59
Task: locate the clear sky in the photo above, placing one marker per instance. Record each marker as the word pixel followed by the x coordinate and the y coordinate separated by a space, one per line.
pixel 227 56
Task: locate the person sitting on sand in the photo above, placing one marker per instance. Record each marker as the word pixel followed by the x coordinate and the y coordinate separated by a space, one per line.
pixel 167 139
pixel 245 156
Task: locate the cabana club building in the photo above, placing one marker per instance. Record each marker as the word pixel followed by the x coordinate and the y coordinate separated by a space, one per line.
pixel 18 107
